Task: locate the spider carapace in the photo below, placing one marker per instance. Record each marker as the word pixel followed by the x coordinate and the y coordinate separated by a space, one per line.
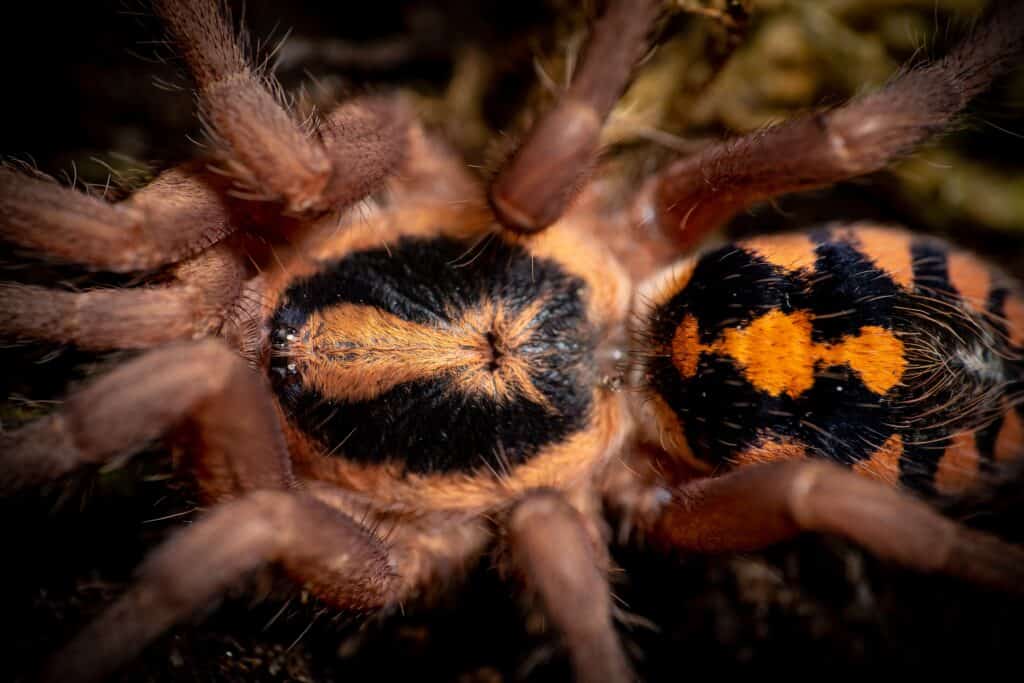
pixel 451 366
pixel 410 372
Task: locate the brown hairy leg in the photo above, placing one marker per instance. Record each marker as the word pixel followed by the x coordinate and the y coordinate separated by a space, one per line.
pixel 98 319
pixel 202 385
pixel 180 213
pixel 759 505
pixel 535 186
pixel 695 195
pixel 367 139
pixel 269 151
pixel 317 545
pixel 102 319
pixel 550 545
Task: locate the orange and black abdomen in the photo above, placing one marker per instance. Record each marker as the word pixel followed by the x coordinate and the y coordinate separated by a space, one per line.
pixel 892 353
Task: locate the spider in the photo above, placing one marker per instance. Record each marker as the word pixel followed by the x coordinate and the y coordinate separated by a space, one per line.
pixel 351 335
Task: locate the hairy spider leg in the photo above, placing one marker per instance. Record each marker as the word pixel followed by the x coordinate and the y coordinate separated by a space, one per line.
pixel 202 385
pixel 270 153
pixel 183 211
pixel 342 562
pixel 536 185
pixel 759 505
pixel 695 195
pixel 262 514
pixel 549 543
pixel 197 303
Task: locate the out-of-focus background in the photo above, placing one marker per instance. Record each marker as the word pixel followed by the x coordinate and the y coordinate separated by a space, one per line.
pixel 91 95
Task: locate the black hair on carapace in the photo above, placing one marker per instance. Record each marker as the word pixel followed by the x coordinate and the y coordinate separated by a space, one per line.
pixel 428 425
pixel 723 414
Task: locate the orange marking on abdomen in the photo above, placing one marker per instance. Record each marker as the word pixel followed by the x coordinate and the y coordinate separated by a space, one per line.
pixel 876 354
pixel 790 252
pixel 884 463
pixel 686 346
pixel 1010 441
pixel 971 277
pixel 778 355
pixel 771 451
pixel 889 250
pixel 958 467
pixel 1014 311
pixel 775 352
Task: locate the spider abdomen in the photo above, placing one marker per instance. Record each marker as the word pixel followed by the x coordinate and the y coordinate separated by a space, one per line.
pixel 894 354
pixel 430 356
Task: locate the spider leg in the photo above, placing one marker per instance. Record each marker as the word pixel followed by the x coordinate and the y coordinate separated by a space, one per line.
pixel 697 194
pixel 97 319
pixel 535 186
pixel 759 505
pixel 180 213
pixel 550 545
pixel 317 545
pixel 367 139
pixel 139 318
pixel 270 152
pixel 201 384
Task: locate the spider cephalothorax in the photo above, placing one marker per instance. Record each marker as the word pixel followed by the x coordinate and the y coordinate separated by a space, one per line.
pixel 450 355
pixel 403 357
pixel 449 364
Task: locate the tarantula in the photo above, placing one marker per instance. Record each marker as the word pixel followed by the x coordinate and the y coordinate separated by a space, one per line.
pixel 349 334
